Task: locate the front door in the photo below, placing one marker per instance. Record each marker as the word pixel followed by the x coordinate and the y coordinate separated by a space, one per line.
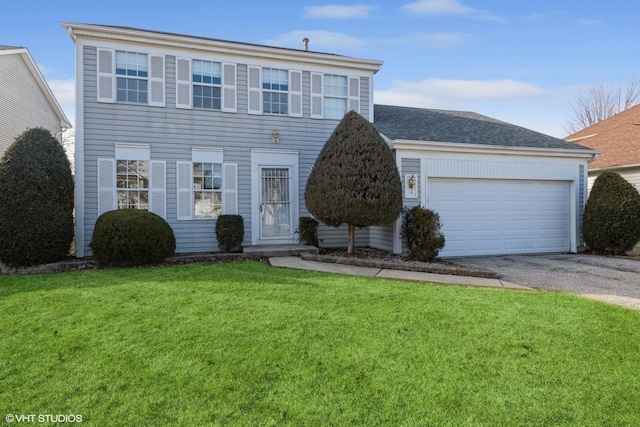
pixel 276 208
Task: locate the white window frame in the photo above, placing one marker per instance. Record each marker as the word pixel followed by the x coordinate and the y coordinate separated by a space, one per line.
pixel 319 96
pixel 269 71
pixel 184 85
pixel 107 90
pixel 217 85
pixel 186 209
pixel 107 179
pixel 256 91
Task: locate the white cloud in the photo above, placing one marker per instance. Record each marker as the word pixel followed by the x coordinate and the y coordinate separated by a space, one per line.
pixel 65 93
pixel 589 22
pixel 441 93
pixel 441 40
pixel 338 12
pixel 318 40
pixel 447 7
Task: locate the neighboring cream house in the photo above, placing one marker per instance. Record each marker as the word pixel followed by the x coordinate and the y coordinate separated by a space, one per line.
pixel 26 101
pixel 191 127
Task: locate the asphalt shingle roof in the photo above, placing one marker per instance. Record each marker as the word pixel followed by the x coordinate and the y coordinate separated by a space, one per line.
pixel 465 127
pixel 618 138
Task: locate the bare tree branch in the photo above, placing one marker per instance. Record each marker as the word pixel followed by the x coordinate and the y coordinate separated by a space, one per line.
pixel 601 101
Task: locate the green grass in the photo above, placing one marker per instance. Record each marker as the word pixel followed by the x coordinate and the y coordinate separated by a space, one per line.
pixel 245 344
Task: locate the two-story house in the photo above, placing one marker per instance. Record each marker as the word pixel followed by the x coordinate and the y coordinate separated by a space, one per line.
pixel 191 128
pixel 26 101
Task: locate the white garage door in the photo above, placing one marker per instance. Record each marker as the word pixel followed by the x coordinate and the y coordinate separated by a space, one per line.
pixel 490 217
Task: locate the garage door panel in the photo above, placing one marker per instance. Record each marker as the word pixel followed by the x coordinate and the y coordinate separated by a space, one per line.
pixel 453 226
pixel 519 225
pixel 484 226
pixel 552 225
pixel 553 244
pixel 483 217
pixel 483 245
pixel 518 205
pixel 519 244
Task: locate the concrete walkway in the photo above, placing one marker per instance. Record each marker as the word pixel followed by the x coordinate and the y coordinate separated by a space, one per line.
pixel 299 263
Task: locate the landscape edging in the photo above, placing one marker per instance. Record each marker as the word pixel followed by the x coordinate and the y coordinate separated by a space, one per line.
pixel 453 269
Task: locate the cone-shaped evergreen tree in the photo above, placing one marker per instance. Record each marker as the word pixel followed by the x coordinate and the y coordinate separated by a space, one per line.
pixel 36 200
pixel 355 179
pixel 611 221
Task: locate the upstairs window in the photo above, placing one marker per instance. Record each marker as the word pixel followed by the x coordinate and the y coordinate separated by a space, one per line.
pixel 130 77
pixel 274 91
pixel 335 96
pixel 275 95
pixel 332 95
pixel 207 84
pixel 132 73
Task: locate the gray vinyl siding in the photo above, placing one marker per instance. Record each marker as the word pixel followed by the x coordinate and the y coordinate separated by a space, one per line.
pixel 381 237
pixel 172 133
pixel 332 237
pixel 411 166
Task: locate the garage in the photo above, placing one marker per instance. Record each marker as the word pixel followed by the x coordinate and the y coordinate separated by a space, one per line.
pixel 499 188
pixel 492 216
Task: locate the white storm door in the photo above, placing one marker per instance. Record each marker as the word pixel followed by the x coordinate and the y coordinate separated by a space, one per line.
pixel 276 207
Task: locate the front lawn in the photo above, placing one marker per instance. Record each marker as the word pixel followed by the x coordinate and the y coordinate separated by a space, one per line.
pixel 246 344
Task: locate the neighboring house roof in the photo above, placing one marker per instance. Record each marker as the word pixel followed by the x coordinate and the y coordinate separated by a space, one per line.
pixel 618 138
pixel 463 127
pixel 39 78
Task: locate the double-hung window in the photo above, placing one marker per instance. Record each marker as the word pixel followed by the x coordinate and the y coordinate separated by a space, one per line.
pixel 332 95
pixel 207 84
pixel 132 73
pixel 275 95
pixel 130 77
pixel 335 96
pixel 132 184
pixel 131 180
pixel 274 91
pixel 207 189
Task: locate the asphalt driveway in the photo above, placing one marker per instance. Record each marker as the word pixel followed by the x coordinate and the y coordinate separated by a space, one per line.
pixel 614 280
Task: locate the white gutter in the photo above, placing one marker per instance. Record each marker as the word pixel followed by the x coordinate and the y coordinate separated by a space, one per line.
pixel 186 42
pixel 456 147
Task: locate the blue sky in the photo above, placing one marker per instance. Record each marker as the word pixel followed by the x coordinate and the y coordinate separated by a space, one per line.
pixel 521 62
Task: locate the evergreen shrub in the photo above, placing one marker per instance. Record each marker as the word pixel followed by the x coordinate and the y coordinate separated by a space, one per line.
pixel 128 237
pixel 421 231
pixel 308 228
pixel 229 232
pixel 611 221
pixel 36 201
pixel 355 178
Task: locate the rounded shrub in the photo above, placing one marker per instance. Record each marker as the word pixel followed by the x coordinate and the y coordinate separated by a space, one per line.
pixel 36 201
pixel 127 237
pixel 611 221
pixel 308 228
pixel 229 232
pixel 421 231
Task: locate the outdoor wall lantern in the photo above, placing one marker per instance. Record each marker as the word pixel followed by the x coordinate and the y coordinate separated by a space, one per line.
pixel 412 182
pixel 276 136
pixel 410 186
